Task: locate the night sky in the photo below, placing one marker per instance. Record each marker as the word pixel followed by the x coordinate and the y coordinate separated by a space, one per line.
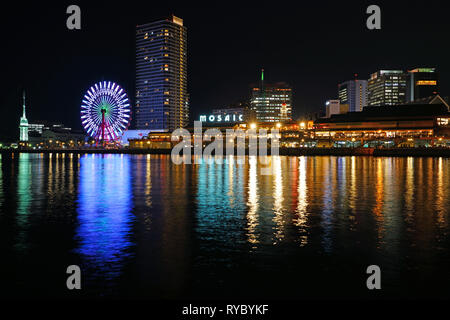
pixel 311 45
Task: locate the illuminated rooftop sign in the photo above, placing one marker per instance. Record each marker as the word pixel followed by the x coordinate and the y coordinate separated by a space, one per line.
pixel 219 118
pixel 426 82
pixel 423 70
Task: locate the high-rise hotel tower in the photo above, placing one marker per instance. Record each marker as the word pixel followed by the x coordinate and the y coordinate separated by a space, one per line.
pixel 162 101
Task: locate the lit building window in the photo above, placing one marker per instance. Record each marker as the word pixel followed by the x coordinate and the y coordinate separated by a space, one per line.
pixel 442 121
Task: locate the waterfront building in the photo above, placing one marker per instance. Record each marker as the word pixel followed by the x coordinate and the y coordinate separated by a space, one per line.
pixel 23 124
pixel 153 140
pixel 386 87
pixel 291 134
pixel 435 99
pixel 353 93
pixel 55 135
pixel 272 102
pixel 425 121
pixel 134 134
pixel 162 100
pixel 36 128
pixel 422 83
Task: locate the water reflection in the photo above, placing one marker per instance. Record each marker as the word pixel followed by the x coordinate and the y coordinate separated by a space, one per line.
pixel 220 202
pixel 104 214
pixel 23 199
pixel 252 202
pixel 440 194
pixel 278 209
pixel 162 225
pixel 1 183
pixel 302 204
pixel 328 202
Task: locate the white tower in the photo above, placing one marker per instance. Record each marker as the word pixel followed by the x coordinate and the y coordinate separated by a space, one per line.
pixel 23 125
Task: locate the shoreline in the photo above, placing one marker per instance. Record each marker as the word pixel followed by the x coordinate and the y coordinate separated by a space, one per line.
pixel 387 152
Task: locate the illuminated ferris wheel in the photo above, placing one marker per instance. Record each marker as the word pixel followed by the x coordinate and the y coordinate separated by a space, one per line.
pixel 105 111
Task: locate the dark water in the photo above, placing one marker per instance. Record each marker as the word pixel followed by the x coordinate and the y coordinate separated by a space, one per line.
pixel 142 227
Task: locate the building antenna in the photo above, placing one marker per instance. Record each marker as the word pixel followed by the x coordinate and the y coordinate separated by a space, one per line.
pixel 23 99
pixel 262 78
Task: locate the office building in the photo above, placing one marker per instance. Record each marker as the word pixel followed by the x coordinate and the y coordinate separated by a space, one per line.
pixel 332 107
pixel 422 83
pixel 272 102
pixel 162 100
pixel 386 87
pixel 353 93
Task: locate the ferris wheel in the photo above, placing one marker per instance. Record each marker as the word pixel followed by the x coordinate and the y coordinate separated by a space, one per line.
pixel 105 111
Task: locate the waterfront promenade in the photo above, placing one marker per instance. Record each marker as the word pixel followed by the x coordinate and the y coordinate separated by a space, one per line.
pixel 388 152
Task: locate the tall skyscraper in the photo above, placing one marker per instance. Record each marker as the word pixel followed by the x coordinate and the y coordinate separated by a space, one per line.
pixel 422 83
pixel 162 100
pixel 386 87
pixel 353 93
pixel 272 103
pixel 23 125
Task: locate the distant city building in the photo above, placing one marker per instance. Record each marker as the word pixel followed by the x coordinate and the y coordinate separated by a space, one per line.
pixel 35 128
pixel 332 107
pixel 46 132
pixel 245 106
pixel 387 87
pixel 23 125
pixel 161 75
pixel 225 111
pixel 422 83
pixel 272 103
pixel 353 93
pixel 235 114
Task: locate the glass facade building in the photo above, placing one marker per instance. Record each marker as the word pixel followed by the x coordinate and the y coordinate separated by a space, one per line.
pixel 353 93
pixel 162 100
pixel 422 83
pixel 272 103
pixel 387 87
